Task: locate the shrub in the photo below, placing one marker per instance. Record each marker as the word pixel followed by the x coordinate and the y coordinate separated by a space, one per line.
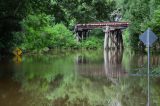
pixel 39 31
pixel 93 42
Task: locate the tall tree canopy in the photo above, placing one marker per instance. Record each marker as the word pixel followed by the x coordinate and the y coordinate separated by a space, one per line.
pixel 68 12
pixel 140 13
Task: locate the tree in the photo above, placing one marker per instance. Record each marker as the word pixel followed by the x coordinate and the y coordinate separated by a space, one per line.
pixel 139 13
pixel 11 13
pixel 68 12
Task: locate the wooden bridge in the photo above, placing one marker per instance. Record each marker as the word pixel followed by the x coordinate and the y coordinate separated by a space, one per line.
pixel 112 30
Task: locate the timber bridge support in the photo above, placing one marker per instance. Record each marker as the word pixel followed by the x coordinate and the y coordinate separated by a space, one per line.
pixel 112 30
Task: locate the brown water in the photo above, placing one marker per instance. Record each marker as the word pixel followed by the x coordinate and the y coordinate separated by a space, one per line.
pixel 88 78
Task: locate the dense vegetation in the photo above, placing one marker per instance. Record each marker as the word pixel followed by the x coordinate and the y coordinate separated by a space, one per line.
pixel 35 24
pixel 141 14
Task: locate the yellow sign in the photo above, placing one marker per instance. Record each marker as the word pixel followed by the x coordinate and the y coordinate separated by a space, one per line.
pixel 17 52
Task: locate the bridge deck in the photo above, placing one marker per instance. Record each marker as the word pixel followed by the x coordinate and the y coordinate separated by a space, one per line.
pixel 89 26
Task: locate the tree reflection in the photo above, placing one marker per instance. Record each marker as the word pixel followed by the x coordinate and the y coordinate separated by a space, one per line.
pixel 87 79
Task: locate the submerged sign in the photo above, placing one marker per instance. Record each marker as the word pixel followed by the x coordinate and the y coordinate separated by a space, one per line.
pixel 148 37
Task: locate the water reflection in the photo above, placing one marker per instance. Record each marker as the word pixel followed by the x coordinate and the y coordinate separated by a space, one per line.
pixel 92 78
pixel 111 67
pixel 113 64
pixel 116 64
pixel 115 70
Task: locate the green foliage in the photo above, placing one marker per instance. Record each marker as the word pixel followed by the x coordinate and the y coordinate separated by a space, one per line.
pixel 95 40
pixel 154 24
pixel 155 21
pixel 93 43
pixel 60 37
pixel 11 13
pixel 39 17
pixel 87 10
pixel 32 33
pixel 126 38
pixel 139 13
pixel 40 32
pixel 135 12
pixel 16 8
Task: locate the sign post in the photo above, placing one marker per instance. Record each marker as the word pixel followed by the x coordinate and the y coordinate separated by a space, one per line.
pixel 148 38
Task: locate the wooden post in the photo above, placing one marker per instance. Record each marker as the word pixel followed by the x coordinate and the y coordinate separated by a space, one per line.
pixel 106 37
pixel 121 40
pixel 110 43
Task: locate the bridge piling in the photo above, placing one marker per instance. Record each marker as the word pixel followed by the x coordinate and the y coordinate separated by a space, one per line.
pixel 113 38
pixel 82 34
pixel 106 38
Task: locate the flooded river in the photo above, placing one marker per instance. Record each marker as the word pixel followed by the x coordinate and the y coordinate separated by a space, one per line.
pixel 80 78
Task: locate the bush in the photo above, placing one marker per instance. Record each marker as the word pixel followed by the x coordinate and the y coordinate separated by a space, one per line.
pixel 39 31
pixel 59 36
pixel 155 21
pixel 96 39
pixel 93 42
